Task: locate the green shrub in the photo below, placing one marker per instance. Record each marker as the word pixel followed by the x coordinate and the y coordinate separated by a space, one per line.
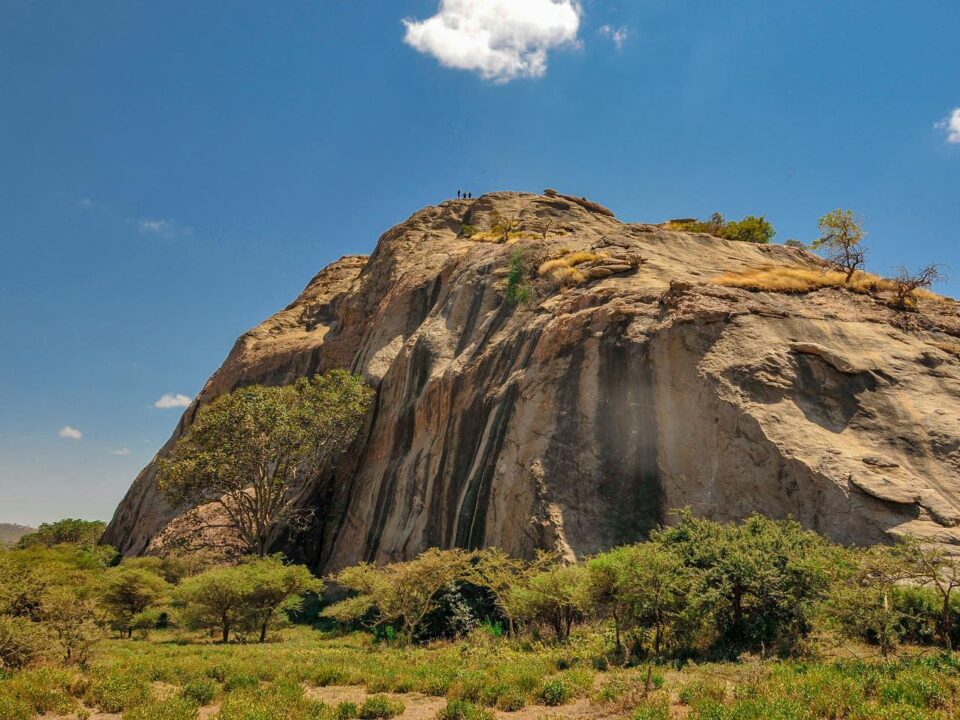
pixel 464 710
pixel 202 691
pixel 511 701
pixel 346 711
pixel 380 707
pixel 116 690
pixel 554 692
pixel 283 701
pixel 43 690
pixel 239 680
pixel 14 708
pixel 328 675
pixel 168 709
pixel 751 229
pixel 654 708
pixel 22 642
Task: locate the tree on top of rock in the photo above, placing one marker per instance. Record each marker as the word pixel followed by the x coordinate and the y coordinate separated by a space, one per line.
pixel 841 236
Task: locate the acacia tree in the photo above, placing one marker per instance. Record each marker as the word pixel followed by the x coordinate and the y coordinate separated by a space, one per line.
pixel 403 593
pixel 498 573
pixel 128 592
pixel 557 596
pixel 758 580
pixel 841 233
pixel 217 599
pixel 252 451
pixel 646 588
pixel 931 567
pixel 276 588
pixel 864 606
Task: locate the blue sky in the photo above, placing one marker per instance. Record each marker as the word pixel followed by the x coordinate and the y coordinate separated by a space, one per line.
pixel 173 172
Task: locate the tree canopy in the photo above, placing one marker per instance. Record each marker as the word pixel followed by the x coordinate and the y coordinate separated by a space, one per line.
pixel 252 451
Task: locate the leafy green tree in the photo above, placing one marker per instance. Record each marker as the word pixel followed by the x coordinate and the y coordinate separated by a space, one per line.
pixel 864 606
pixel 935 569
pixel 129 591
pixel 647 589
pixel 69 530
pixel 400 593
pixel 21 587
pixel 216 599
pixel 758 580
pixel 498 573
pixel 252 451
pixel 841 236
pixel 22 642
pixel 73 619
pixel 276 588
pixel 556 596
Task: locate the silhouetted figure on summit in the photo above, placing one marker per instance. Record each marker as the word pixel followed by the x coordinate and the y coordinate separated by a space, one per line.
pixel 458 194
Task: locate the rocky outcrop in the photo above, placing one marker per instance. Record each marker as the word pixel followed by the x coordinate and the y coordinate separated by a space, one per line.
pixel 578 419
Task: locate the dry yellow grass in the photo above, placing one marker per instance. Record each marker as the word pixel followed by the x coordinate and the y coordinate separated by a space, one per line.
pixel 568 276
pixel 785 279
pixel 568 260
pixel 578 258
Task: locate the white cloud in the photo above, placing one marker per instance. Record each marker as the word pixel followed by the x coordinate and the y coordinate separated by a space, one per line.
pixel 617 35
pixel 86 203
pixel 169 400
pixel 951 124
pixel 70 433
pixel 121 451
pixel 162 228
pixel 500 39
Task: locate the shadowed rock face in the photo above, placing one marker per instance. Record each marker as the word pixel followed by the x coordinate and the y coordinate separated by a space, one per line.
pixel 579 420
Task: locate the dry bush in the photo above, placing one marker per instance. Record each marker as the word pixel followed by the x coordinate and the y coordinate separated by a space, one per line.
pixel 909 286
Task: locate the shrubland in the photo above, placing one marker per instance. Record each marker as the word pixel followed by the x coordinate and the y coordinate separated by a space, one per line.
pixel 704 620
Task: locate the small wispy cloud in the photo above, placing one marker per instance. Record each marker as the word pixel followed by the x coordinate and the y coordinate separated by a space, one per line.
pixel 121 451
pixel 171 400
pixel 70 433
pixel 618 36
pixel 951 124
pixel 86 203
pixel 163 228
pixel 499 39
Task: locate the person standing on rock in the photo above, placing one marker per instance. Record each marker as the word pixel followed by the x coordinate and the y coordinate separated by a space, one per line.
pixel 458 194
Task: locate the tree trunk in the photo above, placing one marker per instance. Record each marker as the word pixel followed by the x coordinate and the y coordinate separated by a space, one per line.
pixel 945 623
pixel 263 628
pixel 616 629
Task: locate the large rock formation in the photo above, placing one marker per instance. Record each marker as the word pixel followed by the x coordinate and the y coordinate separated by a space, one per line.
pixel 579 419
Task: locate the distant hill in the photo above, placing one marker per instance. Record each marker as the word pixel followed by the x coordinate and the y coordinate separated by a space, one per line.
pixel 10 533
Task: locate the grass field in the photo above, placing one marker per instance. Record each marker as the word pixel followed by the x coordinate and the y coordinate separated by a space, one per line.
pixel 306 673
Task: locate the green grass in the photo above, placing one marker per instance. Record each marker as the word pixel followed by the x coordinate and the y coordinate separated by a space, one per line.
pixel 168 678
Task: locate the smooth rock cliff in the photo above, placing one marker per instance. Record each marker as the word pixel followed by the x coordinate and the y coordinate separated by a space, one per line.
pixel 578 419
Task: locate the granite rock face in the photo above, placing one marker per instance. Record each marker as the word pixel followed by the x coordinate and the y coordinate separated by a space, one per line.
pixel 579 419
